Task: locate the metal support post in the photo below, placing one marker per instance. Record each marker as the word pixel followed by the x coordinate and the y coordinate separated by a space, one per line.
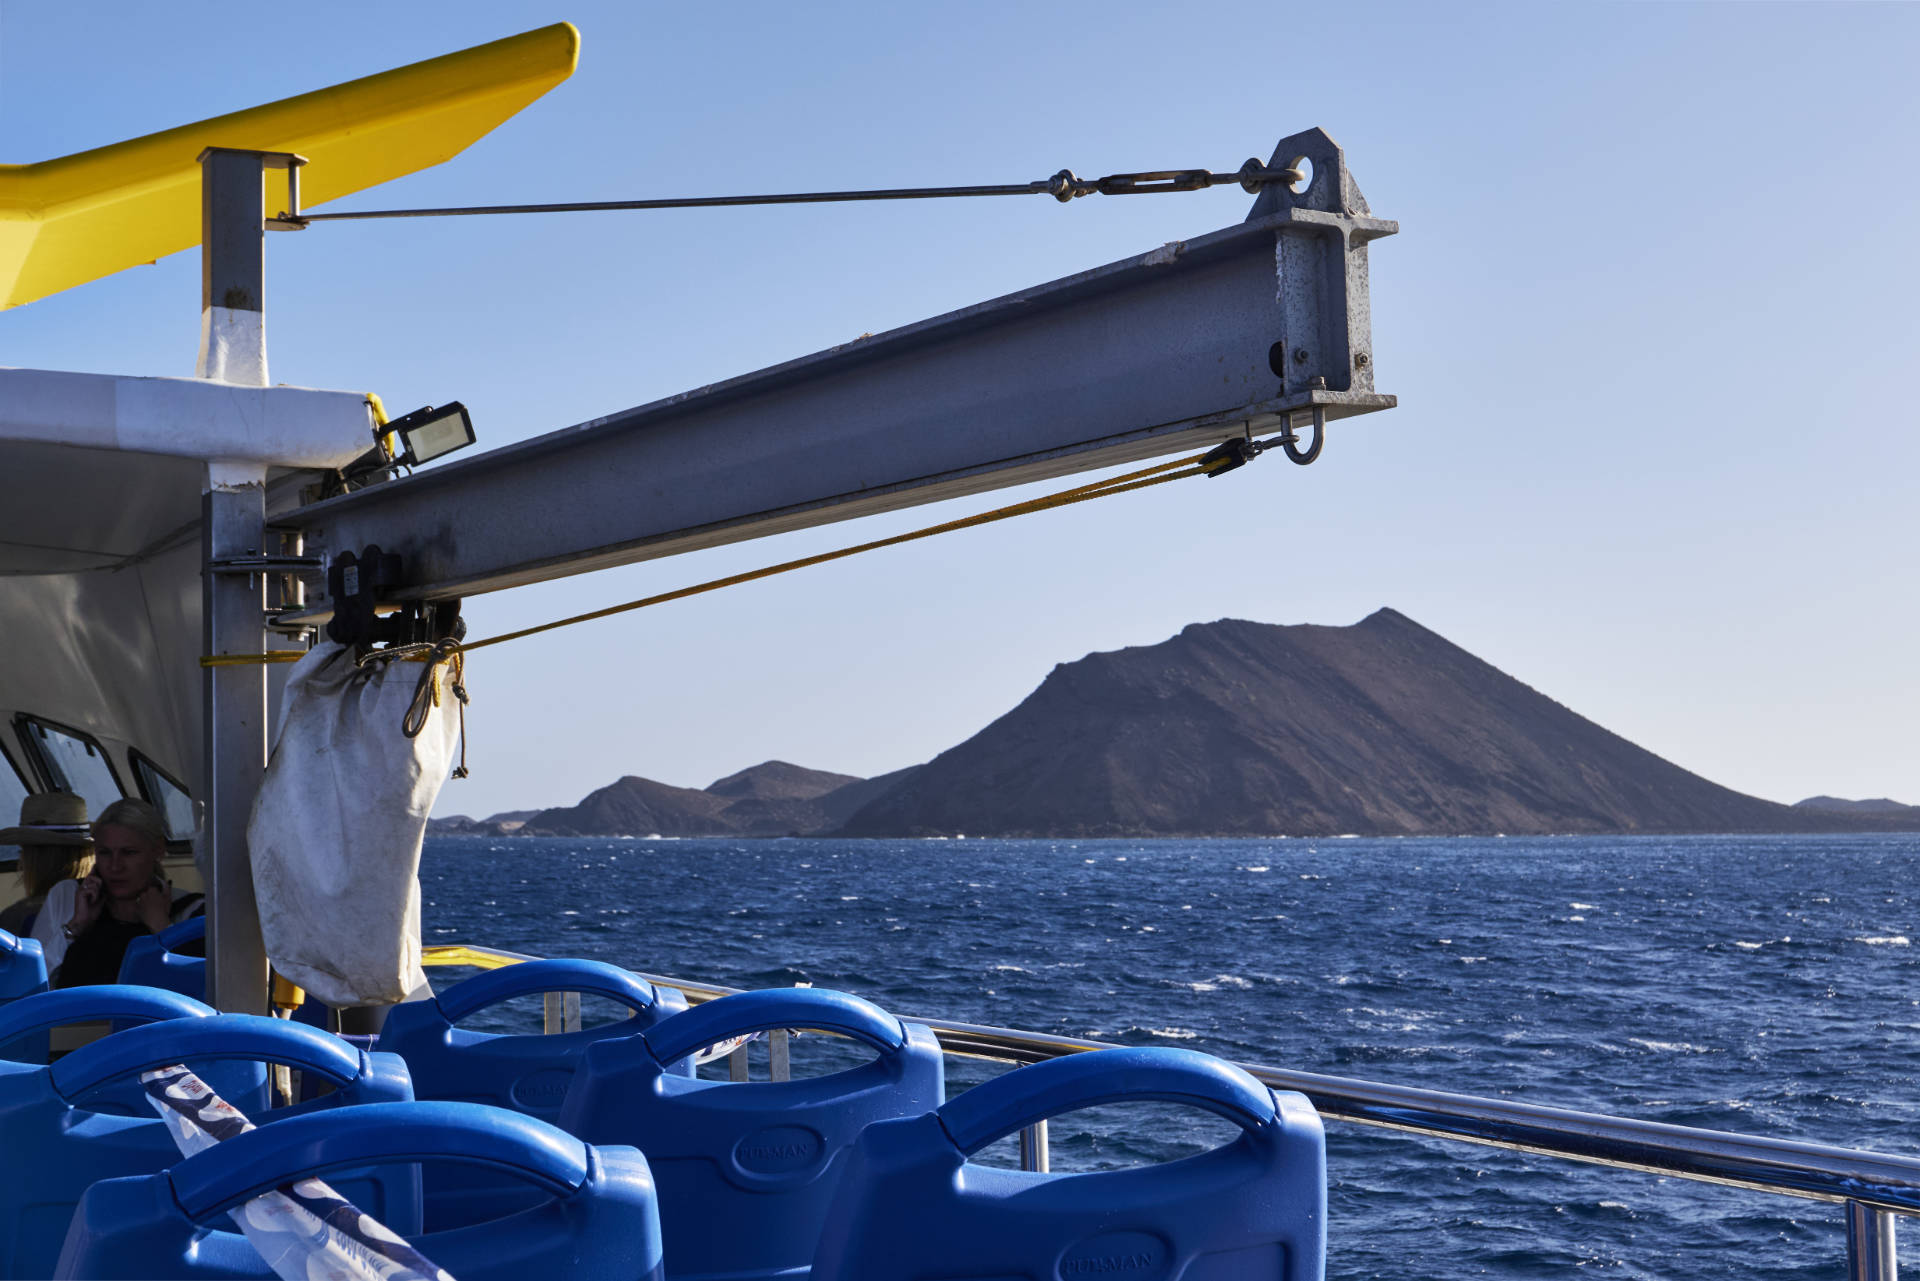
pixel 737 1063
pixel 235 700
pixel 233 519
pixel 1034 1148
pixel 1870 1244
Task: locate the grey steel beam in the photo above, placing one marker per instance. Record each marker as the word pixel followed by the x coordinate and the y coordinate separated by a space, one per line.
pixel 1176 349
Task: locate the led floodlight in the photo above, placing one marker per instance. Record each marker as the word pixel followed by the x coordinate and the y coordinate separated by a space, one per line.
pixel 429 433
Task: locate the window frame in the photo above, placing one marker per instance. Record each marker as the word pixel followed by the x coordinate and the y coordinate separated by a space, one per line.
pixel 26 783
pixel 138 761
pixel 12 864
pixel 24 723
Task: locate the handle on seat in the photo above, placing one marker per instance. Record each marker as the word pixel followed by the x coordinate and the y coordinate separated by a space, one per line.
pixel 560 974
pixel 248 1164
pixel 171 938
pixel 39 1012
pixel 1040 1090
pixel 745 1012
pixel 221 1036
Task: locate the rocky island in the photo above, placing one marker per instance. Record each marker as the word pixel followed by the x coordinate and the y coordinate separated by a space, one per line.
pixel 1237 728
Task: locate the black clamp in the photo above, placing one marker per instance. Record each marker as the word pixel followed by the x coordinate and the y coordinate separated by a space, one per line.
pixel 362 586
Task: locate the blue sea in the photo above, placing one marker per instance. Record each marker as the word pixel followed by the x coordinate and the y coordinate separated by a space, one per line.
pixel 1764 985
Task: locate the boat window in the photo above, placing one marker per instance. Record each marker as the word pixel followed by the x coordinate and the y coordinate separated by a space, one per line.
pixel 73 761
pixel 13 789
pixel 167 796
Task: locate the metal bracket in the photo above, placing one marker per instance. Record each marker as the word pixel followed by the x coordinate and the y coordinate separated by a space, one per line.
pixel 360 587
pixel 1321 264
pixel 257 564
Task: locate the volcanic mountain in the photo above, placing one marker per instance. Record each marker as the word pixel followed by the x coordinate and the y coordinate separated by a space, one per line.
pixel 1236 729
pixel 1240 728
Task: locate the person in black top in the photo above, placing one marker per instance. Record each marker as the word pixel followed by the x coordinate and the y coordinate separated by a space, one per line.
pixel 86 925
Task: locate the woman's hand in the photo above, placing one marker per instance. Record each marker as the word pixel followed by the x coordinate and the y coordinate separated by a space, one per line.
pixel 86 905
pixel 155 905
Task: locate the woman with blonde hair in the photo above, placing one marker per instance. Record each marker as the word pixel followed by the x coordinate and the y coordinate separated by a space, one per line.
pixel 55 845
pixel 86 924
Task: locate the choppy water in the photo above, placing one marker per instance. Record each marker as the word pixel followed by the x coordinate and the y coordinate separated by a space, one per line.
pixel 1764 985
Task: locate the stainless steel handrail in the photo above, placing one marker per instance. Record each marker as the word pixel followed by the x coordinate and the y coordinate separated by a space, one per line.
pixel 1874 1186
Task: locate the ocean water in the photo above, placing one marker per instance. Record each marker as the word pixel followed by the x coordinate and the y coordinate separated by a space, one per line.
pixel 1764 985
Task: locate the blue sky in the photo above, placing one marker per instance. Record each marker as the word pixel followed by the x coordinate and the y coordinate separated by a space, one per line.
pixel 1651 320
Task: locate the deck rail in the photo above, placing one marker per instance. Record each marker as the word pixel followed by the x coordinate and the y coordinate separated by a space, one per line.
pixel 1875 1188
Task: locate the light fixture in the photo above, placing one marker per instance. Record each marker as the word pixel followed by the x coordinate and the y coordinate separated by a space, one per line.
pixel 430 433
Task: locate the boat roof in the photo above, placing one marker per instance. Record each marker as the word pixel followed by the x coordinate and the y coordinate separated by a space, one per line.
pixel 66 221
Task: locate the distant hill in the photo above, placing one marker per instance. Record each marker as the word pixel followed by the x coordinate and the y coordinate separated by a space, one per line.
pixel 774 798
pixel 1880 805
pixel 1240 728
pixel 1236 728
pixel 505 823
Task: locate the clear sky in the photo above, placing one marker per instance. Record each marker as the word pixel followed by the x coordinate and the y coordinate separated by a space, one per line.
pixel 1651 318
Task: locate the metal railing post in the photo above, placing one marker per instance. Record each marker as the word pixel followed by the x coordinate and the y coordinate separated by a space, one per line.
pixel 562 1011
pixel 779 1064
pixel 1870 1244
pixel 1035 1153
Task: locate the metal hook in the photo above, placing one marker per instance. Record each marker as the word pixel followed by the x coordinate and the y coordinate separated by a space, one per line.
pixel 1291 442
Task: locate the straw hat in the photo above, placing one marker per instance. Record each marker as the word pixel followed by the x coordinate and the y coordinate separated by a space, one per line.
pixel 51 818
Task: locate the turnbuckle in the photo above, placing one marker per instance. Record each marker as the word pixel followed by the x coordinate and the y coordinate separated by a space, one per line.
pixel 1252 176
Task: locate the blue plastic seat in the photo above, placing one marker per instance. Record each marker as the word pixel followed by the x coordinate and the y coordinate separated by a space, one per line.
pixel 156 961
pixel 153 961
pixel 528 1074
pixel 912 1207
pixel 24 1024
pixel 23 970
pixel 595 1219
pixel 745 1169
pixel 56 1143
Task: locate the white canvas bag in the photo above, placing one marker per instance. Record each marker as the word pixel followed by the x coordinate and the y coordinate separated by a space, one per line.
pixel 335 831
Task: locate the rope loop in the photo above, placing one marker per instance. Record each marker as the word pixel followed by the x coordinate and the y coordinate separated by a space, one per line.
pixel 426 691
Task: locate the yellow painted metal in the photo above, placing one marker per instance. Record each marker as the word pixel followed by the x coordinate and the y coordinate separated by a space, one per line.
pixel 485 958
pixel 67 221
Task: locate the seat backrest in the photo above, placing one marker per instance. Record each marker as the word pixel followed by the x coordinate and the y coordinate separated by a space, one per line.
pixel 24 1023
pixel 57 1144
pixel 744 1170
pixel 912 1207
pixel 157 961
pixel 23 969
pixel 527 1074
pixel 594 1217
pixel 153 961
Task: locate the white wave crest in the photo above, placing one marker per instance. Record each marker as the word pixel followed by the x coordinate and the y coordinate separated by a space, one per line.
pixel 1668 1047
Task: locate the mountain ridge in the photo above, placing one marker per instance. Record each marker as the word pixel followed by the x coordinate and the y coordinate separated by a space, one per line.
pixel 1239 728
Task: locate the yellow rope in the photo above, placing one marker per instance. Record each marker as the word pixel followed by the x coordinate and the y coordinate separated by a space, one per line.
pixel 1146 477
pixel 243 660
